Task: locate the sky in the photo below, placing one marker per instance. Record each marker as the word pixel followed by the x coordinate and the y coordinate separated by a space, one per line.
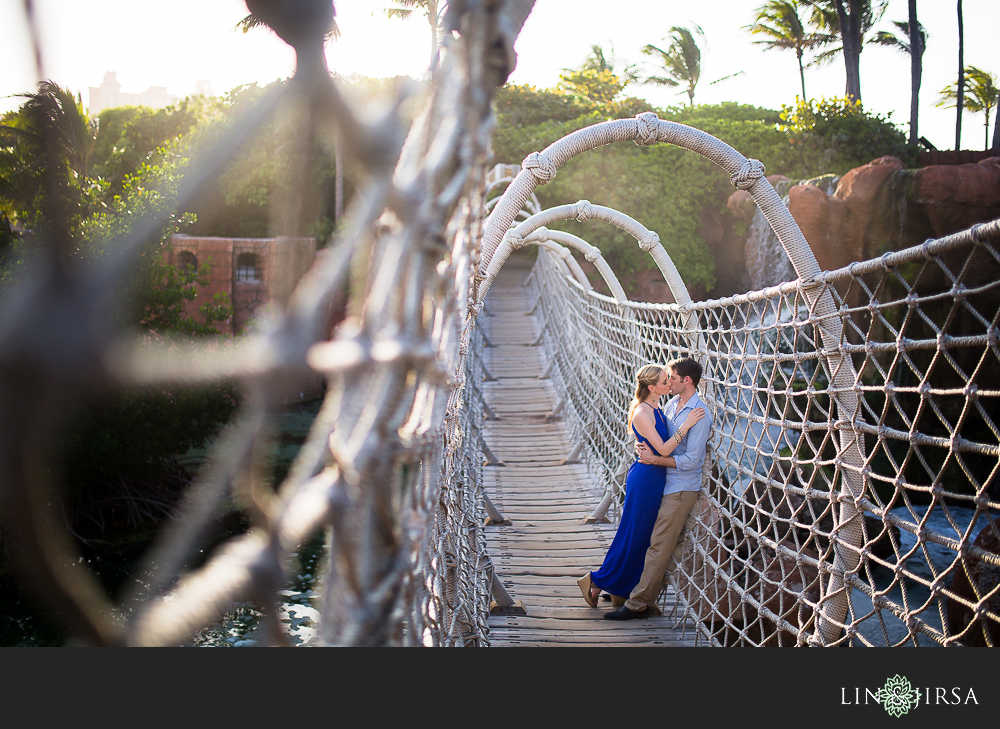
pixel 182 42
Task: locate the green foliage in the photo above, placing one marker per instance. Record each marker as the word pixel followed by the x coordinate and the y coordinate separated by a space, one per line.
pixel 836 135
pixel 131 137
pixel 670 190
pixel 239 204
pixel 667 189
pixel 979 96
pixel 46 150
pixel 51 160
pixel 600 87
pixel 136 434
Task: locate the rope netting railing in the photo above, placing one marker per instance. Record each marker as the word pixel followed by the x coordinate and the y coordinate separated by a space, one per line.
pixel 763 555
pixel 390 471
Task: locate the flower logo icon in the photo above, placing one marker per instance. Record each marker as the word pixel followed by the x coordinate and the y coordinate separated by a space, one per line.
pixel 897 696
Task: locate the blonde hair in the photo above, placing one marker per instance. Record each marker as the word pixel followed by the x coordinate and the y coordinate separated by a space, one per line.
pixel 648 374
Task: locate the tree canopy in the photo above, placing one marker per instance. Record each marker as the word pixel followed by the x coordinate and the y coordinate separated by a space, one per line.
pixel 980 95
pixel 681 60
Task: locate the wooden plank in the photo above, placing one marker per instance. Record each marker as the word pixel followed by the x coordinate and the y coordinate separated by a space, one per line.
pixel 539 557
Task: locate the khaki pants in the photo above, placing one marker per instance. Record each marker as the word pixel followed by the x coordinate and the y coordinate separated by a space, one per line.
pixel 674 509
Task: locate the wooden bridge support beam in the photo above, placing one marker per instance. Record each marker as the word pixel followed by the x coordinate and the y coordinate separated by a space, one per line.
pixel 494 515
pixel 599 515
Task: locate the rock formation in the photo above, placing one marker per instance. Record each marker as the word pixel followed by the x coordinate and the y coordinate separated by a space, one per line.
pixel 882 207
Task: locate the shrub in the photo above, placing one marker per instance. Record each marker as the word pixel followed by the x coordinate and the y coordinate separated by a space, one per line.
pixel 836 135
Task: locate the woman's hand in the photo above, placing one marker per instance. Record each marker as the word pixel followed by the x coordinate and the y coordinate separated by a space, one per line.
pixel 693 417
pixel 645 454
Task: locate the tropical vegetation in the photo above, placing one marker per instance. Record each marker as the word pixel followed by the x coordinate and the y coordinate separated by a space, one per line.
pixel 680 61
pixel 980 96
pixel 82 181
pixel 780 26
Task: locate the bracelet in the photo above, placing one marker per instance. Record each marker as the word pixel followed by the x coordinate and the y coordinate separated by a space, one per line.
pixel 678 437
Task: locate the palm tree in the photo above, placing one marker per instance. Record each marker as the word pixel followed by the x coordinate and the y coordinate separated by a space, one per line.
pixel 596 80
pixel 598 61
pixel 781 27
pixel 46 152
pixel 681 60
pixel 56 117
pixel 851 23
pixel 254 20
pixel 981 94
pixel 960 88
pixel 905 43
pixel 434 10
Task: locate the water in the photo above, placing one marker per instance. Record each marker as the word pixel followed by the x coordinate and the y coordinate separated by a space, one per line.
pixel 24 623
pixel 916 593
pixel 767 263
pixel 755 443
pixel 242 626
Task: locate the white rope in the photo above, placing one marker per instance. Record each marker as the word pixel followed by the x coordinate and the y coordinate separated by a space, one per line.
pixel 770 524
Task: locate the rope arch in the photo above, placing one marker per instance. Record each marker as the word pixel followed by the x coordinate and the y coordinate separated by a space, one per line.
pixel 501 174
pixel 564 260
pixel 590 252
pixel 746 174
pixel 583 211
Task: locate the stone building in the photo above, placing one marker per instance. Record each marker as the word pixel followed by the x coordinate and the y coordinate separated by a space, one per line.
pixel 109 95
pixel 254 272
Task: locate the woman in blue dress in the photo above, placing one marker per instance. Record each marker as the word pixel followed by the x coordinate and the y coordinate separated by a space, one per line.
pixel 644 484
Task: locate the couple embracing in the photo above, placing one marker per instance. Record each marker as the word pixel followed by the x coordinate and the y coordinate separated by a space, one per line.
pixel 660 489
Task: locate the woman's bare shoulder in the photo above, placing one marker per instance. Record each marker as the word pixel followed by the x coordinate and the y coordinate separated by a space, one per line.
pixel 642 415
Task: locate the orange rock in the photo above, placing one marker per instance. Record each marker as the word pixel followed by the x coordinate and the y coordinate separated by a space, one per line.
pixel 820 218
pixel 742 204
pixel 954 197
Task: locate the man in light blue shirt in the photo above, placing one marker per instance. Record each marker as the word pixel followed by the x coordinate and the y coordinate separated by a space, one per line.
pixel 684 467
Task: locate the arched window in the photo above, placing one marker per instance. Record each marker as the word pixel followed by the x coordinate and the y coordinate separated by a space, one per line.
pixel 187 259
pixel 248 268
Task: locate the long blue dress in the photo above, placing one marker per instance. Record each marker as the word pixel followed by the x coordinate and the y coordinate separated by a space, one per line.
pixel 644 483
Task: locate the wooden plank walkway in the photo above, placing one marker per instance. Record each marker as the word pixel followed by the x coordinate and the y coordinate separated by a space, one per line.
pixel 547 547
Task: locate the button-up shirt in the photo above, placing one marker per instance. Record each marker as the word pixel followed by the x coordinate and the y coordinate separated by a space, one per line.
pixel 689 454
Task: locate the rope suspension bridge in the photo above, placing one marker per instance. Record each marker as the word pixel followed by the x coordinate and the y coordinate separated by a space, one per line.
pixel 850 492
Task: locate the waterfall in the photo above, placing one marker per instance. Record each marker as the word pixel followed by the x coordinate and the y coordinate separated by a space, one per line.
pixel 766 260
pixel 767 264
pixel 741 434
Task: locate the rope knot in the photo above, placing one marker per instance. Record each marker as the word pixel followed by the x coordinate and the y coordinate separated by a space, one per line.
pixel 541 234
pixel 583 211
pixel 540 166
pixel 649 127
pixel 516 240
pixel 649 241
pixel 749 172
pixel 592 255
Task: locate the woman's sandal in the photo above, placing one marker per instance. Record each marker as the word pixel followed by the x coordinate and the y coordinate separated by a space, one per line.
pixel 590 591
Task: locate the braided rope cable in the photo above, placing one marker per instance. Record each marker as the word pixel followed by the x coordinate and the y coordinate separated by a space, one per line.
pixel 540 167
pixel 924 328
pixel 390 470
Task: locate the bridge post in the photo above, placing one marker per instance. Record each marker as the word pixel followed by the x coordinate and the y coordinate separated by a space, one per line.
pixel 494 515
pixel 599 515
pixel 502 603
pixel 491 460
